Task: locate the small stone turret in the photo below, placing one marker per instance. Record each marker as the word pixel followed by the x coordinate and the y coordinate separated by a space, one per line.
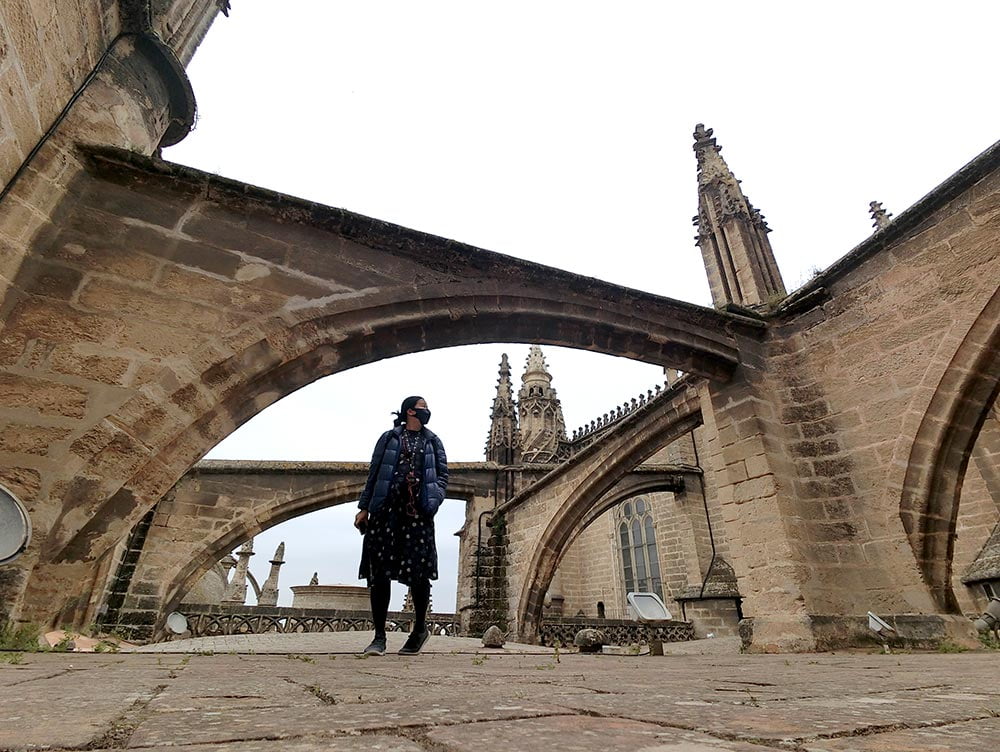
pixel 237 590
pixel 502 445
pixel 269 590
pixel 732 234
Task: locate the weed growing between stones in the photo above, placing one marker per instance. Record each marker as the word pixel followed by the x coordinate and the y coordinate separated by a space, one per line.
pixel 989 640
pixel 21 637
pixel 297 657
pixel 947 646
pixel 13 659
pixel 322 694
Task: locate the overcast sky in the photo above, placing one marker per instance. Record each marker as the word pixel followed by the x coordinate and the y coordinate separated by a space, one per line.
pixel 560 132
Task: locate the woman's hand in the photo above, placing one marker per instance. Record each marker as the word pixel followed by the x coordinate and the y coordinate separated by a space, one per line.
pixel 361 519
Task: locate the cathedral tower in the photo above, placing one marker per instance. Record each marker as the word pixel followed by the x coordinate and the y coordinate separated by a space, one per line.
pixel 732 234
pixel 542 428
pixel 502 444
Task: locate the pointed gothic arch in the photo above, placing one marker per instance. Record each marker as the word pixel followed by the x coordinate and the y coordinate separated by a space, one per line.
pixel 942 448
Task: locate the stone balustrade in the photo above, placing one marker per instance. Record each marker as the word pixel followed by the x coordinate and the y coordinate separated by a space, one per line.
pixel 616 414
pixel 212 620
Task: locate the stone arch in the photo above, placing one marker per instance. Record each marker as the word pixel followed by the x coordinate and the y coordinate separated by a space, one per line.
pixel 941 449
pixel 280 358
pixel 362 291
pixel 651 429
pixel 241 529
pixel 632 486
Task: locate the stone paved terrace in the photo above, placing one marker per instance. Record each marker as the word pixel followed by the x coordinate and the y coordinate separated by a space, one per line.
pixel 720 702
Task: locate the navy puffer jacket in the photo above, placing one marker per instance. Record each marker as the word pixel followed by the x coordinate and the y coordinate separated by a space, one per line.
pixel 383 465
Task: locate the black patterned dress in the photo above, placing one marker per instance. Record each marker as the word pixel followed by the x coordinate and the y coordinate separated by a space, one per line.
pixel 400 543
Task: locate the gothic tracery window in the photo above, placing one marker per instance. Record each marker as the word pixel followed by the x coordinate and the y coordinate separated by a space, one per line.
pixel 637 543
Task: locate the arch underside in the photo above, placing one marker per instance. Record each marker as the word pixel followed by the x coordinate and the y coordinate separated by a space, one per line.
pixel 242 529
pixel 262 373
pixel 594 492
pixel 942 449
pixel 348 291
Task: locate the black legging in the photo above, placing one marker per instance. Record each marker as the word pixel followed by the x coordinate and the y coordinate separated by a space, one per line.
pixel 379 593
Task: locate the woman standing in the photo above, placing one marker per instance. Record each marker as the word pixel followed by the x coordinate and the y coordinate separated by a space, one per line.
pixel 406 485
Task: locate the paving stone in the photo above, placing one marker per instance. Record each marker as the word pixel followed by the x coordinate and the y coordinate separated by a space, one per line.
pixel 574 733
pixel 326 642
pixel 972 736
pixel 72 699
pixel 365 743
pixel 825 703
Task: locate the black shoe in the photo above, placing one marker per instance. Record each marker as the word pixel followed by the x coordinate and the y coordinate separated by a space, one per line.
pixel 376 648
pixel 414 642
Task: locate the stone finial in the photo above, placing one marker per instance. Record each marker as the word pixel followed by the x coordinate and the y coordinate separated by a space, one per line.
pixel 536 369
pixel 315 579
pixel 703 138
pixel 236 592
pixel 711 166
pixel 269 590
pixel 880 217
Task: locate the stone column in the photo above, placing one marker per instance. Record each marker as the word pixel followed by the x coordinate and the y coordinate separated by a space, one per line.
pixel 269 590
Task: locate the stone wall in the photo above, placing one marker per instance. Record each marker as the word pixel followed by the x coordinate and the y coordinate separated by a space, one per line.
pixel 66 71
pixel 590 572
pixel 48 50
pixel 855 374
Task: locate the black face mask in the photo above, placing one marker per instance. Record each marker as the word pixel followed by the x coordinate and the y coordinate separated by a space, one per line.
pixel 423 415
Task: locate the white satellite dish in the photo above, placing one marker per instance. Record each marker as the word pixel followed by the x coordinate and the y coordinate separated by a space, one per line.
pixel 877 625
pixel 15 527
pixel 177 622
pixel 647 607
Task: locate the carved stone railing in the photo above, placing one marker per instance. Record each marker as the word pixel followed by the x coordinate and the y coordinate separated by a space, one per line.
pixel 213 620
pixel 616 631
pixel 596 426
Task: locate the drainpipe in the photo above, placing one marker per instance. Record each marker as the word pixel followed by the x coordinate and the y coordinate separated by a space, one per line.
pixel 708 517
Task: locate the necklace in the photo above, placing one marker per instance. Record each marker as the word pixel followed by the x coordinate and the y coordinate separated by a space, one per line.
pixel 411 480
pixel 409 441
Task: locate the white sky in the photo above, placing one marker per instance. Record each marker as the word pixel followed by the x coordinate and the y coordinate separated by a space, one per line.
pixel 560 132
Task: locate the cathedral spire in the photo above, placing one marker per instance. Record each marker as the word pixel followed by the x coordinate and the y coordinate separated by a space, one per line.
pixel 542 428
pixel 502 443
pixel 732 234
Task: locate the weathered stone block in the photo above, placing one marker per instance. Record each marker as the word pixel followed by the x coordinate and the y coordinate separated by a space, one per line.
pixel 47 397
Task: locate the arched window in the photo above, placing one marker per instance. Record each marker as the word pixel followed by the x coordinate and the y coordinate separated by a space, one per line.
pixel 637 543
